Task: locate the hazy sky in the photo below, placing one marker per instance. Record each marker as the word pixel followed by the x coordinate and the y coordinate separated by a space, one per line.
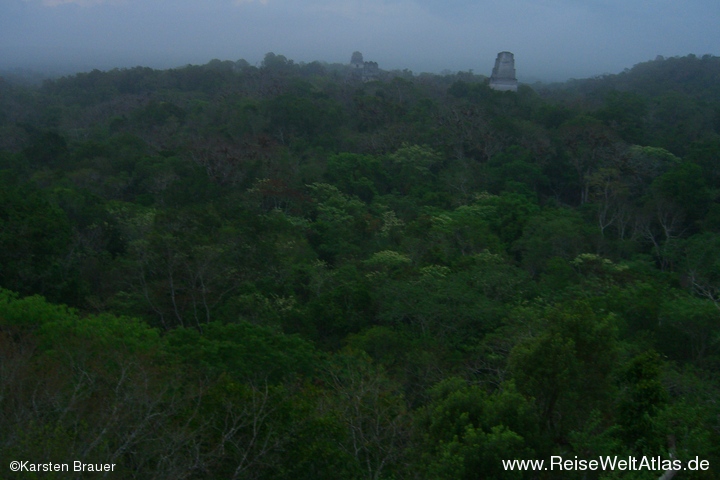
pixel 551 39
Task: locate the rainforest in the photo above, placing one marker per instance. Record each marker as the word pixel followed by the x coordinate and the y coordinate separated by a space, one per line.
pixel 228 271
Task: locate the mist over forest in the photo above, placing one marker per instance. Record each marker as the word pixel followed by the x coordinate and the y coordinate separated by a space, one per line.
pixel 552 40
pixel 341 270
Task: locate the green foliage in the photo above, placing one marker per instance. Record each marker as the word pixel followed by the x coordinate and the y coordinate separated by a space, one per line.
pixel 339 303
pixel 642 400
pixel 514 170
pixel 411 168
pixel 689 329
pixel 98 334
pixel 315 117
pixel 700 264
pixel 45 149
pixel 490 223
pixel 685 187
pixel 552 233
pixel 626 112
pixel 705 154
pixel 359 175
pixel 465 430
pixel 35 237
pixel 372 410
pixel 340 221
pixel 243 351
pixel 158 114
pixel 638 304
pixel 452 306
pixel 30 312
pixel 282 271
pixel 566 367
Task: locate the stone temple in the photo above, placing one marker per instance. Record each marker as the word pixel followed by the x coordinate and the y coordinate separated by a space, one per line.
pixel 367 71
pixel 503 75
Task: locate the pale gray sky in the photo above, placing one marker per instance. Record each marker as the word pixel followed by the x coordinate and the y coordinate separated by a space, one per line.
pixel 551 39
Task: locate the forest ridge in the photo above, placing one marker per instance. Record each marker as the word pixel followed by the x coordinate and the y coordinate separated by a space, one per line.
pixel 283 271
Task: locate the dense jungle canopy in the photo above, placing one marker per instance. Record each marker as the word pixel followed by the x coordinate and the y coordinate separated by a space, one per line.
pixel 284 271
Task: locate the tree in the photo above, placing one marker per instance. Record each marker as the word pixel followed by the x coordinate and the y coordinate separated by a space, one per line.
pixel 626 113
pixel 514 170
pixel 339 224
pixel 364 176
pixel 467 230
pixel 642 400
pixel 705 154
pixel 590 145
pixel 678 199
pixel 46 149
pixel 180 265
pixel 99 389
pixel 569 356
pixel 312 116
pixel 684 186
pixel 412 168
pixel 35 237
pixel 700 264
pixel 696 322
pixel 552 233
pixel 373 412
pixel 464 430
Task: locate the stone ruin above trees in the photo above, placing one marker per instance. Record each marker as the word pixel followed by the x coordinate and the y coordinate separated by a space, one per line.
pixel 366 71
pixel 502 78
pixel 503 74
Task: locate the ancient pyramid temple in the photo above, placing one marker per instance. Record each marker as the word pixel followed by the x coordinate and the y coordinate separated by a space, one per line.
pixel 367 71
pixel 503 75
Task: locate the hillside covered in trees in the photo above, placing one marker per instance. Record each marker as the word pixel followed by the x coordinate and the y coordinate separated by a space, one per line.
pixel 284 271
